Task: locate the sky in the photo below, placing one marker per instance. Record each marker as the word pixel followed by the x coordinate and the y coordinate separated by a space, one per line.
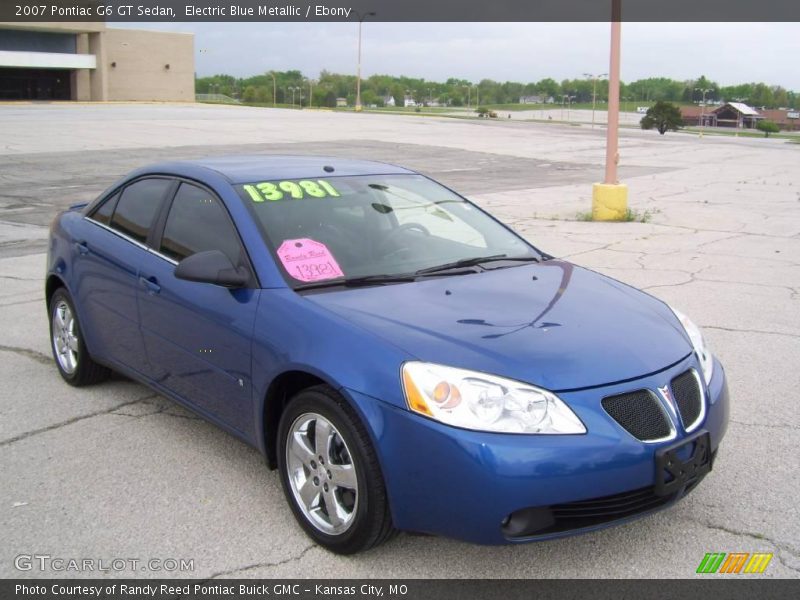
pixel 727 53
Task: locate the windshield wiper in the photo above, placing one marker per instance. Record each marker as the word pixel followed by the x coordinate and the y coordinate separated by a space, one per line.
pixel 356 282
pixel 475 261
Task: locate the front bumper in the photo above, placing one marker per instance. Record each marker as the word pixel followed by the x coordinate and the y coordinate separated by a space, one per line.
pixel 464 484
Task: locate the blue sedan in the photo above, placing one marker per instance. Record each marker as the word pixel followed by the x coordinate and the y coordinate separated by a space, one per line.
pixel 402 358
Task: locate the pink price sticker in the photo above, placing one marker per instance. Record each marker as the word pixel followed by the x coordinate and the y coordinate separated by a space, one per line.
pixel 307 260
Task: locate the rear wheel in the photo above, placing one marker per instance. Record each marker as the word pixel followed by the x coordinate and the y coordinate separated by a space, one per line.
pixel 330 473
pixel 69 350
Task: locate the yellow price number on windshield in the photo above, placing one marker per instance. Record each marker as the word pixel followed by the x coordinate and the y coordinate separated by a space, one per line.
pixel 274 191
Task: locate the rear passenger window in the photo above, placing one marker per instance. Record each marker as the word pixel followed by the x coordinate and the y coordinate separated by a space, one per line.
pixel 197 222
pixel 103 213
pixel 138 206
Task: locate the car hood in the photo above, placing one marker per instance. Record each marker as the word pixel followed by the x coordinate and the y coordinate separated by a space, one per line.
pixel 552 324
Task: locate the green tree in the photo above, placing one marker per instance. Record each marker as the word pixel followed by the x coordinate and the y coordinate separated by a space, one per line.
pixel 249 94
pixel 548 87
pixel 768 127
pixel 664 116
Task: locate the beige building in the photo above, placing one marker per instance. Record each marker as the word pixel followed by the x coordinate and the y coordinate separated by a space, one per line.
pixel 91 62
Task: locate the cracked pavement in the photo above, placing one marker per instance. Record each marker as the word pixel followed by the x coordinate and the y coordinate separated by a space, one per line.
pixel 117 471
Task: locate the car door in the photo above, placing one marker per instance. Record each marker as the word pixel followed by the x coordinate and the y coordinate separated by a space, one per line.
pixel 107 269
pixel 198 335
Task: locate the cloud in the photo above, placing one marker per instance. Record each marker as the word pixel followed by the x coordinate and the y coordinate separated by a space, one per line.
pixel 725 52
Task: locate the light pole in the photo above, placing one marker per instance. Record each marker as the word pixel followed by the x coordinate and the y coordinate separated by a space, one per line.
pixel 360 18
pixel 739 118
pixel 274 88
pixel 469 97
pixel 610 198
pixel 566 99
pixel 478 95
pixel 594 79
pixel 310 93
pixel 293 89
pixel 702 108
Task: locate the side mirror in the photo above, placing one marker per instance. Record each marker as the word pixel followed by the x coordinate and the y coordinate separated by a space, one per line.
pixel 212 266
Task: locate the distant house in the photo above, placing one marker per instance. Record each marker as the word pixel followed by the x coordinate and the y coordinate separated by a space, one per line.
pixel 341 102
pixel 389 101
pixel 730 114
pixel 408 101
pixel 531 100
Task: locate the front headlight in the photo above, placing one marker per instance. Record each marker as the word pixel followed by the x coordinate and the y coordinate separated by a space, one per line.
pixel 483 402
pixel 698 343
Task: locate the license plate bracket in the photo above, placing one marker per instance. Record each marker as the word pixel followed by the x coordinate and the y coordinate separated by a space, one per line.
pixel 683 463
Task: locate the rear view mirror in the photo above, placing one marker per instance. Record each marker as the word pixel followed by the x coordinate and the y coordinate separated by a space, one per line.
pixel 212 266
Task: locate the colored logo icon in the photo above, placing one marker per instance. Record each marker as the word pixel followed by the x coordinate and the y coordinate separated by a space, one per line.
pixel 734 563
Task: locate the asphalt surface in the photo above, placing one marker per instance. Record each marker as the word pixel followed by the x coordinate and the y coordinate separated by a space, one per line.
pixel 115 471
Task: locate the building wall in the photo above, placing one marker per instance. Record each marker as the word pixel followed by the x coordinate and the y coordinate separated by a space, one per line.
pixel 126 64
pixel 136 65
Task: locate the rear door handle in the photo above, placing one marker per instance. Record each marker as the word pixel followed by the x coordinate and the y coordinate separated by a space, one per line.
pixel 82 247
pixel 150 284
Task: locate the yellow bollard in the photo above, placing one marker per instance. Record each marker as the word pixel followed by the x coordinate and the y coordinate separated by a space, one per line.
pixel 609 201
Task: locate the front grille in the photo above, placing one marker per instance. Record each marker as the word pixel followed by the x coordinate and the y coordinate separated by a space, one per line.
pixel 532 522
pixel 640 414
pixel 609 508
pixel 688 397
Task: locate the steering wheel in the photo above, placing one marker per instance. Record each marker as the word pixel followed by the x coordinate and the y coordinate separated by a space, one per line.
pixel 333 237
pixel 392 236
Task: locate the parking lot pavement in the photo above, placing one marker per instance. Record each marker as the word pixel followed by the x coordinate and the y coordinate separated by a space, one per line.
pixel 115 471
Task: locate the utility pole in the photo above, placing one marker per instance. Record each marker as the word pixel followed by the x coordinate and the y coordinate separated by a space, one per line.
pixel 360 18
pixel 610 198
pixel 310 93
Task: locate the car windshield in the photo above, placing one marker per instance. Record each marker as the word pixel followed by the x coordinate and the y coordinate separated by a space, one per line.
pixel 376 226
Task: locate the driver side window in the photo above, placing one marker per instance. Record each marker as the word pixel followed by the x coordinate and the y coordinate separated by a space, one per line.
pixel 198 222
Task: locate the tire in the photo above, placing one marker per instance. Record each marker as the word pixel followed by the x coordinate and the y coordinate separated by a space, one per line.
pixel 73 360
pixel 359 518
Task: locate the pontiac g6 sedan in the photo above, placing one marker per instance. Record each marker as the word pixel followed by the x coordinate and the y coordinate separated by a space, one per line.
pixel 402 358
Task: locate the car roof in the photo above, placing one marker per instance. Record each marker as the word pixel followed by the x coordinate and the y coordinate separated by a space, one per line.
pixel 246 169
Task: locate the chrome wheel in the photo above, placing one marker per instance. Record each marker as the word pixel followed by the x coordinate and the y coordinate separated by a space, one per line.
pixel 65 337
pixel 321 474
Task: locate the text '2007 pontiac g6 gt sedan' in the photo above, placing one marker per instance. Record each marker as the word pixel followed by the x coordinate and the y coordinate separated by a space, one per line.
pixel 403 359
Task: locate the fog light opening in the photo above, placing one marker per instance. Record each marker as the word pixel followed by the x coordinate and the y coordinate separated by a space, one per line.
pixel 527 522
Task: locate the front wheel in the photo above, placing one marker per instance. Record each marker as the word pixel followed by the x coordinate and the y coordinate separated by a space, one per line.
pixel 330 473
pixel 66 339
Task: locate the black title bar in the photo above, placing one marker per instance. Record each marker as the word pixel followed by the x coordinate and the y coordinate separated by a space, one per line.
pixel 22 11
pixel 743 587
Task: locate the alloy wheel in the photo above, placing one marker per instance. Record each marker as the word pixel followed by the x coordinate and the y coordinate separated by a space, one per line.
pixel 321 474
pixel 65 337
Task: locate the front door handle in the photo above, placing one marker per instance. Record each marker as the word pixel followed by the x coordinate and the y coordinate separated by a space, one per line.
pixel 150 284
pixel 82 247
